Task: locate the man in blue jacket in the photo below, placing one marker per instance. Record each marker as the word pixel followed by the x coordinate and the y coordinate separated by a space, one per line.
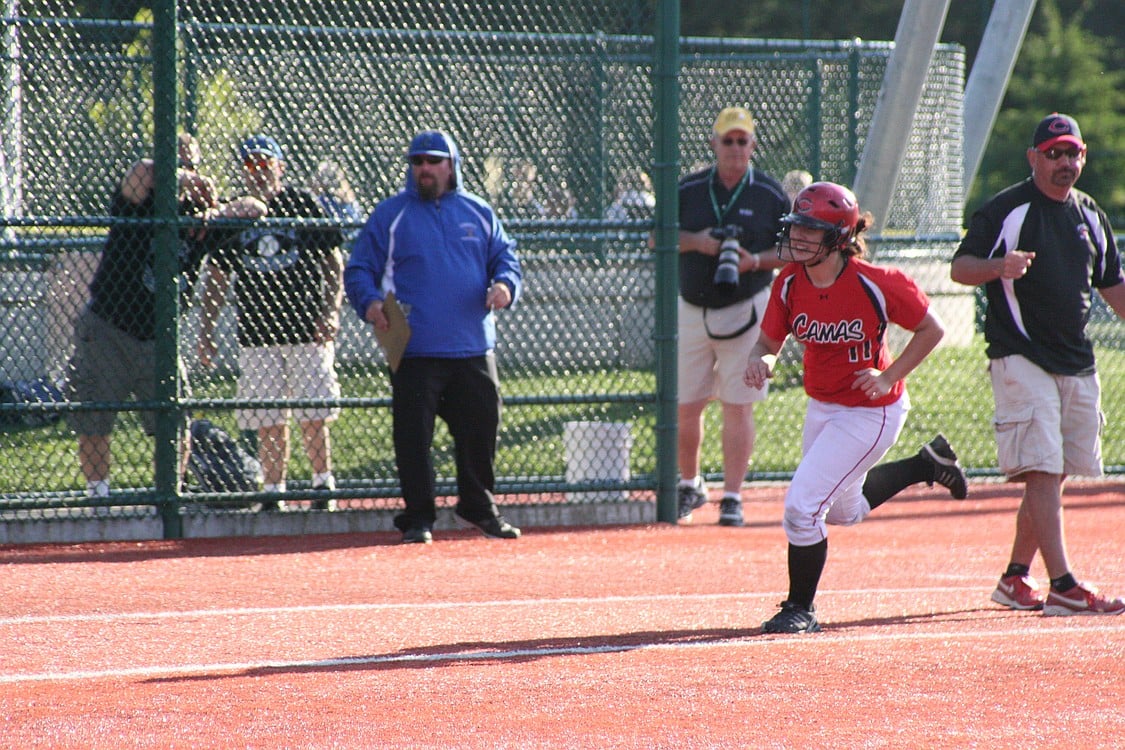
pixel 444 255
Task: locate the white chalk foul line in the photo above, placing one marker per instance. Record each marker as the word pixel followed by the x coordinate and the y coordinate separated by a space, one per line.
pixel 376 607
pixel 756 641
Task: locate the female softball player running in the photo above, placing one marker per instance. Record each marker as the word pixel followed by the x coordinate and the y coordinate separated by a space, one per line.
pixel 838 306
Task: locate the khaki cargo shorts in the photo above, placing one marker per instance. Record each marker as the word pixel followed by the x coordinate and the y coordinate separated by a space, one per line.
pixel 1046 422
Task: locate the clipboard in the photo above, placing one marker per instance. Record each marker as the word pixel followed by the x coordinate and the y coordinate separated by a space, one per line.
pixel 394 339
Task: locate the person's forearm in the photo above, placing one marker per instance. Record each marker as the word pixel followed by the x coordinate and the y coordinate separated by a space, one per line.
pixel 334 281
pixel 214 290
pixel 973 271
pixel 698 242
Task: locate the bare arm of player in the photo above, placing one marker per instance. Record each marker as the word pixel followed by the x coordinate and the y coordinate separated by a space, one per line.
pixel 926 336
pixel 762 360
pixel 973 271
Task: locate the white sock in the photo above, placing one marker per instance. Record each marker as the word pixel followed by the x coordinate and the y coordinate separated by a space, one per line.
pixel 100 488
pixel 324 481
pixel 274 487
pixel 732 496
pixel 696 482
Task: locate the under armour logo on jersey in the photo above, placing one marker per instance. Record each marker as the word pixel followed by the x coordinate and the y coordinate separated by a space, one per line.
pixel 1083 232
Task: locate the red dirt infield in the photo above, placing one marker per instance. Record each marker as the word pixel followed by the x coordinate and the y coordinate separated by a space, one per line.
pixel 612 637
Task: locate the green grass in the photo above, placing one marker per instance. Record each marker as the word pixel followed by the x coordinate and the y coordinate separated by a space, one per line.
pixel 950 393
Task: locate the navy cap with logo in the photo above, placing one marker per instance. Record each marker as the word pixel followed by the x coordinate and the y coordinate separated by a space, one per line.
pixel 261 145
pixel 1056 128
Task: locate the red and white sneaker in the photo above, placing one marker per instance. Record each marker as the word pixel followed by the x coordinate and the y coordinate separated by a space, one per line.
pixel 1081 600
pixel 1018 592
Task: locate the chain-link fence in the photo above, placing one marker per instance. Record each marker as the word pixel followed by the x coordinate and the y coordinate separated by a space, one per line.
pixel 553 108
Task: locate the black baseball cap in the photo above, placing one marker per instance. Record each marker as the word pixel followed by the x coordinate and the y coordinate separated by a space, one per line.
pixel 1055 129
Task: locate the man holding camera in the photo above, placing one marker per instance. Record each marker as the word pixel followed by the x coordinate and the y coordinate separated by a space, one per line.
pixel 730 216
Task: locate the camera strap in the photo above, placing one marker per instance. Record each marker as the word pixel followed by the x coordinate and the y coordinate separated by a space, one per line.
pixel 729 336
pixel 721 211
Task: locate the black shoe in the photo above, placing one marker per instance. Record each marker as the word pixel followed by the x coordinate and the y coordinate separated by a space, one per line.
pixel 947 472
pixel 793 618
pixel 494 526
pixel 417 535
pixel 730 512
pixel 690 498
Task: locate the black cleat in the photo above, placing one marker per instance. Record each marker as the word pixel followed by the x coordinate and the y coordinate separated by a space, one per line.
pixel 793 618
pixel 947 472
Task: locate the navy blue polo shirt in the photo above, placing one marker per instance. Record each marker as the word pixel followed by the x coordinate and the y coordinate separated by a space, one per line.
pixel 757 208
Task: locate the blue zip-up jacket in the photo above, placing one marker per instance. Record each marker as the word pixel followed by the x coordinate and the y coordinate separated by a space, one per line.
pixel 439 258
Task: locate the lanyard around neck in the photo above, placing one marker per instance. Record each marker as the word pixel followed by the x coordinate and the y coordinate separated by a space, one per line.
pixel 720 213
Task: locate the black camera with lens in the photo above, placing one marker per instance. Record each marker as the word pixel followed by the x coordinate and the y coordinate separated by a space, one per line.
pixel 726 274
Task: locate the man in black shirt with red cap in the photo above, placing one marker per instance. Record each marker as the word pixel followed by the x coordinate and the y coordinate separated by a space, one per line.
pixel 1040 248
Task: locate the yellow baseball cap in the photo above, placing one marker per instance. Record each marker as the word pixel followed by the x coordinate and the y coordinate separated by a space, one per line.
pixel 734 118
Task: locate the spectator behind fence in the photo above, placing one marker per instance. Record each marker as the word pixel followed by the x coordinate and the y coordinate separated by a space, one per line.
pixel 444 255
pixel 633 199
pixel 114 341
pixel 837 305
pixel 524 200
pixel 288 290
pixel 559 202
pixel 1040 248
pixel 331 186
pixel 721 303
pixel 794 181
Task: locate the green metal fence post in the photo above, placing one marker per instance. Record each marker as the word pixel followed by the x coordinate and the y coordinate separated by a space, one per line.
pixel 166 248
pixel 666 69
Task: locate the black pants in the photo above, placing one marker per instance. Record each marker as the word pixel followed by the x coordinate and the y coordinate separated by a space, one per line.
pixel 465 393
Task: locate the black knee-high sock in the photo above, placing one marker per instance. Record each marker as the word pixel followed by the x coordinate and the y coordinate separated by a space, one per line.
pixel 805 566
pixel 887 480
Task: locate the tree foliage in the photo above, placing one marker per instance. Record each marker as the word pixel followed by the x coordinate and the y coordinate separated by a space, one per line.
pixel 1062 67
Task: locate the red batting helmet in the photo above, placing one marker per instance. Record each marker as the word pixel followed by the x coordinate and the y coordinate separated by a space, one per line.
pixel 827 206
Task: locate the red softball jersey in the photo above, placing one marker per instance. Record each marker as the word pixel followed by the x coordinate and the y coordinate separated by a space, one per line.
pixel 843 327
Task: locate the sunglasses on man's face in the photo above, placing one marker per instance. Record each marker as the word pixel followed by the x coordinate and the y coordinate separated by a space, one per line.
pixel 1054 154
pixel 427 159
pixel 257 162
pixel 733 141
